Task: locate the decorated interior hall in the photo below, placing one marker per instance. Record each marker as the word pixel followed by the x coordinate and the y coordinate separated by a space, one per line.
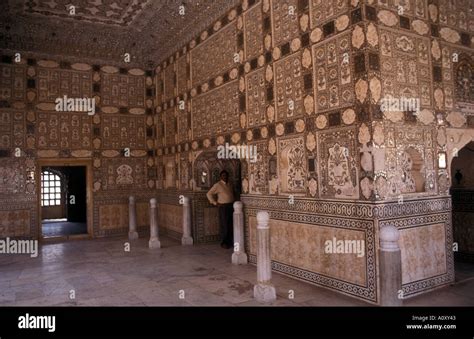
pixel 237 153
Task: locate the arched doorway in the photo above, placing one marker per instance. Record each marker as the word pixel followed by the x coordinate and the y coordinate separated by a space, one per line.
pixel 206 169
pixel 462 192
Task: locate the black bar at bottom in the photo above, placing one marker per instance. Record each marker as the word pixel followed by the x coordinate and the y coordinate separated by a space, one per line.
pixel 134 322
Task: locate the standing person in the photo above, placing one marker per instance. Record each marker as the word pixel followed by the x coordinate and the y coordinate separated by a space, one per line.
pixel 225 199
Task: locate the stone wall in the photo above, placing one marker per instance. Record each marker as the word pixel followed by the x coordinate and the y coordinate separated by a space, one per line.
pixel 116 142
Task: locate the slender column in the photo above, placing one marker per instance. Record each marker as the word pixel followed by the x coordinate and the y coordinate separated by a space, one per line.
pixel 390 267
pixel 264 291
pixel 186 239
pixel 239 256
pixel 154 240
pixel 132 219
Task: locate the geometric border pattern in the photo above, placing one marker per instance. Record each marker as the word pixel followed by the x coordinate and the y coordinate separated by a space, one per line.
pixel 410 213
pixel 368 292
pixel 419 286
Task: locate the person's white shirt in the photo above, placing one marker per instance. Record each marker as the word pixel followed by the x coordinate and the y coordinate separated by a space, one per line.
pixel 224 192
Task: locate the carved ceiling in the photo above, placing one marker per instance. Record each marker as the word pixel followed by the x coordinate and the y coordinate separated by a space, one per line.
pixel 102 31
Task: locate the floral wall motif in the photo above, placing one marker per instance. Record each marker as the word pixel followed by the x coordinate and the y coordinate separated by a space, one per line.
pixel 12 84
pixel 64 131
pixel 338 164
pixel 292 165
pixel 288 87
pixel 253 23
pixel 333 77
pixel 54 83
pixel 206 64
pixel 256 98
pixel 225 101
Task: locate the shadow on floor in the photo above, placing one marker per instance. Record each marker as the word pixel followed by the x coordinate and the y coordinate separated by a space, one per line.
pixel 61 228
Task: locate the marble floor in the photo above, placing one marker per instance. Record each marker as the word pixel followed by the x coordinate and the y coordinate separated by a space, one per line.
pixel 100 273
pixel 60 228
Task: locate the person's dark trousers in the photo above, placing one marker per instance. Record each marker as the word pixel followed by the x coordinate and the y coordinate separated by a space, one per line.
pixel 226 212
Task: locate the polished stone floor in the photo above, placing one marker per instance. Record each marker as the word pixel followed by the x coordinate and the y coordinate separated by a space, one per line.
pixel 52 228
pixel 101 273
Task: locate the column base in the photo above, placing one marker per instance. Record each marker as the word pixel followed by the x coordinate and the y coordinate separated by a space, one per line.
pixel 264 293
pixel 239 258
pixel 133 235
pixel 187 241
pixel 154 243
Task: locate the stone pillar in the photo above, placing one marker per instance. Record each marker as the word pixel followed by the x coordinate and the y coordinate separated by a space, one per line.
pixel 264 291
pixel 132 219
pixel 186 239
pixel 239 256
pixel 390 267
pixel 154 240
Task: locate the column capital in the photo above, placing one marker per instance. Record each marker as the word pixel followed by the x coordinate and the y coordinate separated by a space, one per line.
pixel 389 236
pixel 262 219
pixel 238 206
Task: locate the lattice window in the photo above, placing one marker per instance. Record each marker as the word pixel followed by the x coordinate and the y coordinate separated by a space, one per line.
pixel 50 189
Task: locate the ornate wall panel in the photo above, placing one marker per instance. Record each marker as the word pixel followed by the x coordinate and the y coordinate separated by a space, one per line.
pixel 338 164
pixel 423 252
pixel 172 219
pixel 215 55
pixel 293 254
pixel 185 171
pixel 405 66
pixel 253 23
pixel 285 21
pixel 122 90
pixel 256 98
pixel 55 83
pixel 12 176
pixel 12 82
pixel 170 126
pixel 64 131
pixel 425 227
pixel 169 82
pixel 182 74
pixel 292 163
pixel 170 172
pixel 289 87
pixel 113 216
pixel 184 123
pixel 217 111
pixel 333 79
pixel 123 131
pixel 457 14
pixel 416 8
pixel 302 245
pixel 322 10
pixel 259 175
pixel 12 129
pixel 123 174
pixel 15 223
pixel 409 162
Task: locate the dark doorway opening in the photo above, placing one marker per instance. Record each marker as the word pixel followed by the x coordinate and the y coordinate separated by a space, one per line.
pixel 63 201
pixel 462 193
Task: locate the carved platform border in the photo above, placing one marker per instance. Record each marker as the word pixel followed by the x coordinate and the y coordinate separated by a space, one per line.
pixel 416 287
pixel 368 292
pixel 412 207
pixel 356 209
